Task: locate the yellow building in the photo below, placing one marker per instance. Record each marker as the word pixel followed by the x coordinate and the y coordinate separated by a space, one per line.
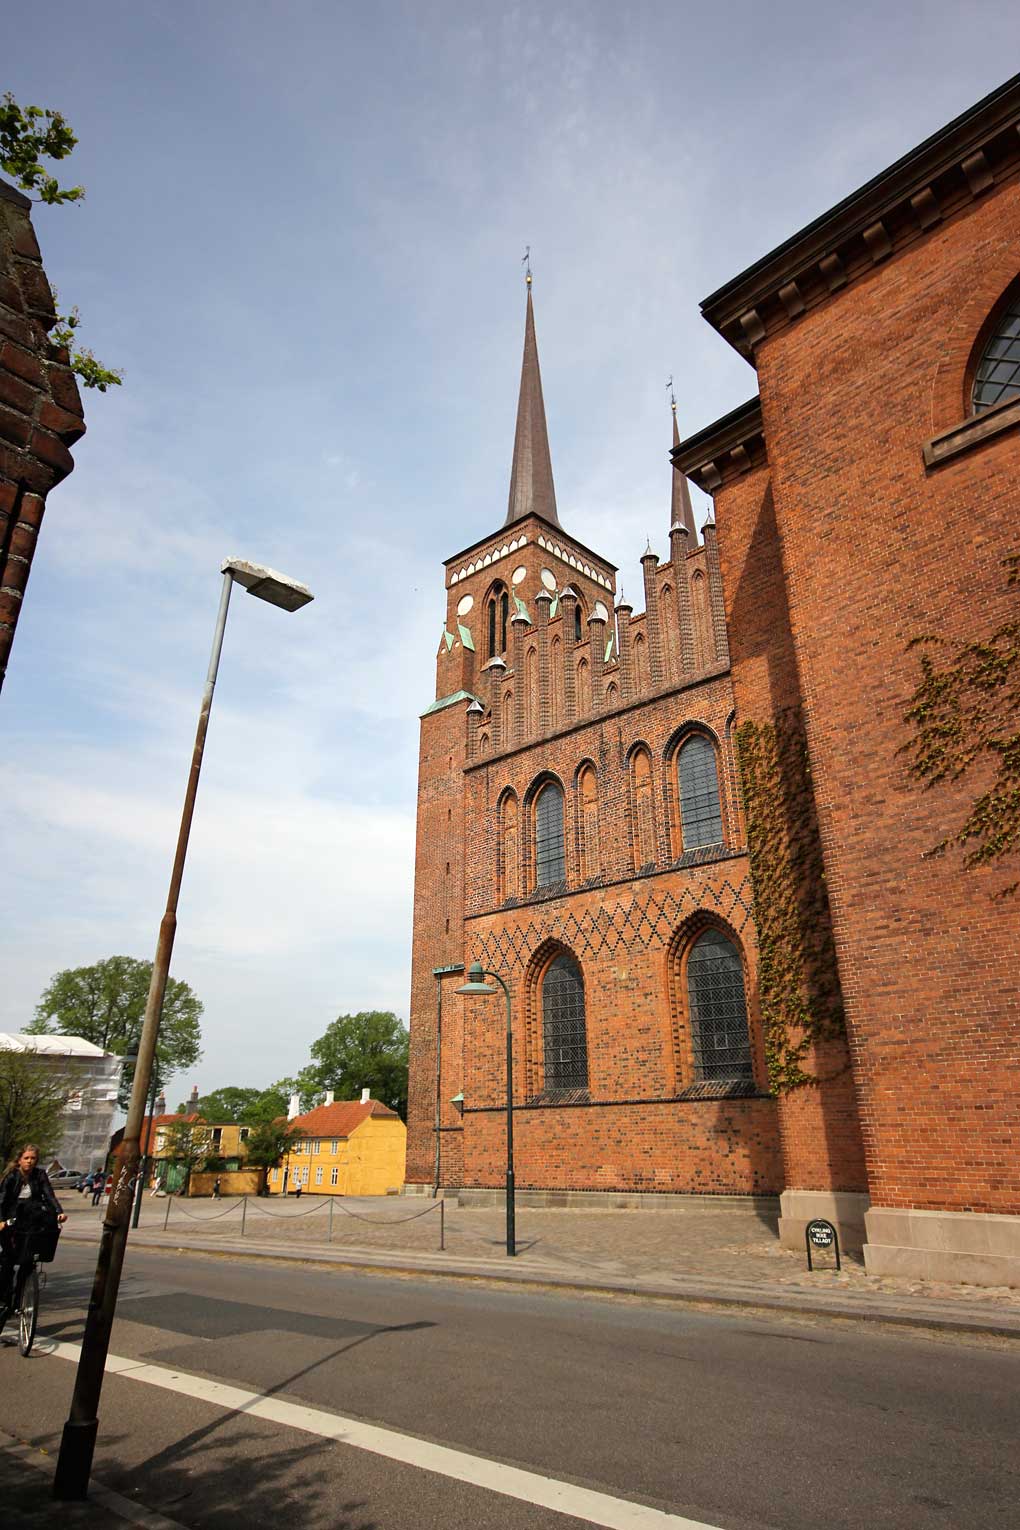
pixel 351 1147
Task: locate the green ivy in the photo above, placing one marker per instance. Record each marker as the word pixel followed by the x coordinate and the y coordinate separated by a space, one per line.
pixel 966 713
pixel 798 985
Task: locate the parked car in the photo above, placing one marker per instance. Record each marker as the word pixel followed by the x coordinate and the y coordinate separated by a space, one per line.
pixel 66 1179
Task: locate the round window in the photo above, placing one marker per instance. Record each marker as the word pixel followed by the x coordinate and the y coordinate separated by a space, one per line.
pixel 519 573
pixel 464 605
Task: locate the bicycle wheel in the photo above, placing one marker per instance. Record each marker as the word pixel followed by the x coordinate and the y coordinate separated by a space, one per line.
pixel 29 1314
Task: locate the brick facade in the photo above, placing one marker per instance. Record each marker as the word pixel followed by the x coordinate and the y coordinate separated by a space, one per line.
pixel 862 505
pixel 40 410
pixel 599 700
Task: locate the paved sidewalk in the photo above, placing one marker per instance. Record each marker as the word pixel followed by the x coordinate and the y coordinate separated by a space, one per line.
pixel 719 1255
pixel 26 1482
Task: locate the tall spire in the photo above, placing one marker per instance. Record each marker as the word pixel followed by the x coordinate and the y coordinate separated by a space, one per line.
pixel 531 479
pixel 682 511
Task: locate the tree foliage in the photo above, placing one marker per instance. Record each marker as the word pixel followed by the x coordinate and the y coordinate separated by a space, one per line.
pixel 28 135
pixel 32 1099
pixel 965 715
pixel 358 1051
pixel 266 1144
pixel 184 1142
pixel 105 1003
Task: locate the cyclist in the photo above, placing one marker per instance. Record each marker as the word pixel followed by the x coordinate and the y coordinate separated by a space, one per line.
pixel 27 1202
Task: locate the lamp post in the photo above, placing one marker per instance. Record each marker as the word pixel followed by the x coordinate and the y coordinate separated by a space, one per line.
pixel 131 1055
pixel 77 1446
pixel 476 984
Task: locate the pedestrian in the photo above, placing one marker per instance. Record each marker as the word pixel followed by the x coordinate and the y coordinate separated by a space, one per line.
pixel 297 1192
pixel 216 1189
pixel 26 1197
pixel 97 1188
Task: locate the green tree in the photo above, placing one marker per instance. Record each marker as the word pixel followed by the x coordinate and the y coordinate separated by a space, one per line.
pixel 32 1100
pixel 367 1050
pixel 28 135
pixel 184 1142
pixel 228 1104
pixel 105 1003
pixel 266 1144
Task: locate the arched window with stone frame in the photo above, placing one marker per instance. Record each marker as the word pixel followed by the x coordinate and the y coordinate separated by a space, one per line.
pixel 561 1021
pixel 994 370
pixel 508 718
pixel 509 847
pixel 589 848
pixel 712 1023
pixel 497 614
pixel 642 808
pixel 547 844
pixel 695 807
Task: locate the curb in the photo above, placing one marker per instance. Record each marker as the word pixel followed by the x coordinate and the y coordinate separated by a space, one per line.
pixel 100 1498
pixel 933 1318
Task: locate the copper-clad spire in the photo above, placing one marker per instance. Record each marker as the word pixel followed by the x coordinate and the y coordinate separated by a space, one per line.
pixel 531 479
pixel 682 511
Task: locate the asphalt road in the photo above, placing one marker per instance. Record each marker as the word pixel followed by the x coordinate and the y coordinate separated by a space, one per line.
pixel 732 1421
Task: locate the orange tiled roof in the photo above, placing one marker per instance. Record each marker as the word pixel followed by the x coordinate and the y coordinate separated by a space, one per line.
pixel 338 1119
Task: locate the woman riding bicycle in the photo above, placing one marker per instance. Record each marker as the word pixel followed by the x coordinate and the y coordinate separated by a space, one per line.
pixel 26 1201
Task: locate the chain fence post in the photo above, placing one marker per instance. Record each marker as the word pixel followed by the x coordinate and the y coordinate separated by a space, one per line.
pixel 329 1235
pixel 244 1212
pixel 169 1203
pixel 442 1227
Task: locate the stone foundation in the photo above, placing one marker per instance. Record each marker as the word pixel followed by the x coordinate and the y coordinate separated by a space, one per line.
pixel 974 1248
pixel 845 1209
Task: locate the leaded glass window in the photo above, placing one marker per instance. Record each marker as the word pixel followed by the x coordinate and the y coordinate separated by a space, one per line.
pixel 715 986
pixel 998 374
pixel 550 861
pixel 700 814
pixel 566 1046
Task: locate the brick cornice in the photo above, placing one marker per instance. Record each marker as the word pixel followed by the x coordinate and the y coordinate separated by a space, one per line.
pixel 725 449
pixel 960 162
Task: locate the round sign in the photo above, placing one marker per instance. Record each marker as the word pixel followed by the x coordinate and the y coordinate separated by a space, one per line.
pixel 549 579
pixel 464 605
pixel 518 574
pixel 821 1233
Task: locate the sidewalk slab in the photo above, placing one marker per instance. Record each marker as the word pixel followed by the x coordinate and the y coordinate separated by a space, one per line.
pixel 26 1493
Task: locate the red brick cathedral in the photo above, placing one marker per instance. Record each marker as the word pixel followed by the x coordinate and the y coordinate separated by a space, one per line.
pixel 746 860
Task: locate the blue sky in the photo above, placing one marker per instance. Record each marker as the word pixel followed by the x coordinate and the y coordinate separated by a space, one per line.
pixel 302 242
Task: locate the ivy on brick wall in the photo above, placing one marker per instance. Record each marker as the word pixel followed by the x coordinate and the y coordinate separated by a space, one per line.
pixel 798 986
pixel 965 714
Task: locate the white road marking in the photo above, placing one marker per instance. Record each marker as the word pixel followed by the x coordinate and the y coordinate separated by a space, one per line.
pixel 529 1487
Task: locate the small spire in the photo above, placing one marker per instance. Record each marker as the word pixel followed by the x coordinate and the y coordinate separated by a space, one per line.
pixel 531 479
pixel 681 509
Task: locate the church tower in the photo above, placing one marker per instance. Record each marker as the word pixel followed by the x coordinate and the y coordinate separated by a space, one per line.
pixel 579 833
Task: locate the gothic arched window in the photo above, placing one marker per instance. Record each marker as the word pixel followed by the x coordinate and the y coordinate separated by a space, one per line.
pixel 998 372
pixel 577 623
pixel 498 613
pixel 550 861
pixel 700 812
pixel 563 1029
pixel 718 1005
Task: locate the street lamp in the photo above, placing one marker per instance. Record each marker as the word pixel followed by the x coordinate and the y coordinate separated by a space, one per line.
pixel 476 984
pixel 78 1443
pixel 131 1056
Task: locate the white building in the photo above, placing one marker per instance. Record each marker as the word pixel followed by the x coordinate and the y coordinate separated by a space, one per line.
pixel 93 1080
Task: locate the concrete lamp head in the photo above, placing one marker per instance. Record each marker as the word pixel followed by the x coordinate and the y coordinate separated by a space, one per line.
pixel 268 585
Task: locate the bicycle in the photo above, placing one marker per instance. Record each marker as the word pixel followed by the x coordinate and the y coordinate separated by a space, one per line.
pixel 34 1249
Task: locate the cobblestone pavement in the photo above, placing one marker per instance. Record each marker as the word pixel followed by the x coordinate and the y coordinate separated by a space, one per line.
pixel 654 1247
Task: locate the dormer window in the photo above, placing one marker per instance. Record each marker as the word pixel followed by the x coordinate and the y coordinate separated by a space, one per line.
pixel 997 378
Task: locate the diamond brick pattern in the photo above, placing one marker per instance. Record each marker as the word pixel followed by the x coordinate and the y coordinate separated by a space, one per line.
pixel 644 922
